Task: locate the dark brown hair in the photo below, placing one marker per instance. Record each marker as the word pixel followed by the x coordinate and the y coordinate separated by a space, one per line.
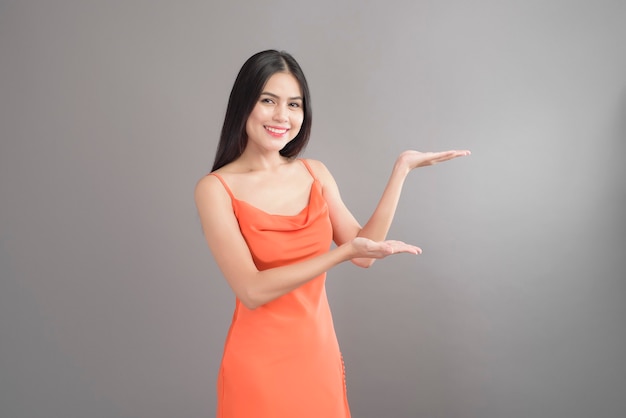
pixel 247 89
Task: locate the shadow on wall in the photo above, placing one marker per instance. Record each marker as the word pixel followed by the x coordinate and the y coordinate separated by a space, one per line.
pixel 616 176
pixel 620 134
pixel 617 168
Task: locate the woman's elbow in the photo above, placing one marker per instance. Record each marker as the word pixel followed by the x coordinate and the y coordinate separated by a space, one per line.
pixel 251 299
pixel 248 301
pixel 245 292
pixel 363 262
pixel 250 305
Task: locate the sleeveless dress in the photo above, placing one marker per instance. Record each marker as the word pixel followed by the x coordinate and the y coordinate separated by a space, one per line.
pixel 282 359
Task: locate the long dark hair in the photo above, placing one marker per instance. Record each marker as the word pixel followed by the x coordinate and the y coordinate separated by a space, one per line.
pixel 247 89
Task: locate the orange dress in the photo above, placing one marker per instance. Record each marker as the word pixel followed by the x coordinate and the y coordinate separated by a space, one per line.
pixel 282 359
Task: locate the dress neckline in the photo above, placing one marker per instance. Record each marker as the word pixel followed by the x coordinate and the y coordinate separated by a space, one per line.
pixel 314 183
pixel 305 208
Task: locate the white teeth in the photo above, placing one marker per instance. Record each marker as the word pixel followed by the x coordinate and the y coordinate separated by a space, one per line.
pixel 276 131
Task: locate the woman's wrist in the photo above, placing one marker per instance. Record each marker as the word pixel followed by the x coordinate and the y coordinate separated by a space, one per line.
pixel 346 251
pixel 401 166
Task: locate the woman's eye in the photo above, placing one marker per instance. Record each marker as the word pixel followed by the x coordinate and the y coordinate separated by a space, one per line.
pixel 294 105
pixel 266 100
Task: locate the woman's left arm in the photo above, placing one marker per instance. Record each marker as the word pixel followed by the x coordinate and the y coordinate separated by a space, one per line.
pixel 345 226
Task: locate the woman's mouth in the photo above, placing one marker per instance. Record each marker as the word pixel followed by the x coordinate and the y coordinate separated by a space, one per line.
pixel 276 131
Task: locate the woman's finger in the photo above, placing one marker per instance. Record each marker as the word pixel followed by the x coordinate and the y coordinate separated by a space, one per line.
pixel 401 247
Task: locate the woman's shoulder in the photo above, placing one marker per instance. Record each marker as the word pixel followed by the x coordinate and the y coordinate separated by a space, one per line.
pixel 319 168
pixel 211 186
pixel 215 177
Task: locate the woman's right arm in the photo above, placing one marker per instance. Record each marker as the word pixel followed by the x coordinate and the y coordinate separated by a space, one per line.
pixel 251 286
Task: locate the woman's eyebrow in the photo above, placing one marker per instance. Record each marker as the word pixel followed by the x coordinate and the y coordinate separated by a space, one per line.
pixel 277 97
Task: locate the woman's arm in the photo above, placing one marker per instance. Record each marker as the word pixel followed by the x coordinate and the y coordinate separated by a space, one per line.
pixel 253 287
pixel 346 227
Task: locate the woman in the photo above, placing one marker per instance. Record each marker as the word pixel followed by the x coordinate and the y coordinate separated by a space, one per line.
pixel 269 219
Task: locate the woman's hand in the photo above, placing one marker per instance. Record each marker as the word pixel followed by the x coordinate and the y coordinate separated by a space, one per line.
pixel 414 159
pixel 366 248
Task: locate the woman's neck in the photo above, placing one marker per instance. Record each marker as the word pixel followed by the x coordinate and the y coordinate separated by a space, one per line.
pixel 252 160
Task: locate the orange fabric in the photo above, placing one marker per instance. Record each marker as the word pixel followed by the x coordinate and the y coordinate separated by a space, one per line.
pixel 282 359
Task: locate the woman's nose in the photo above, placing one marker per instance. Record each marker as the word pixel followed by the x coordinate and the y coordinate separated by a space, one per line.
pixel 280 113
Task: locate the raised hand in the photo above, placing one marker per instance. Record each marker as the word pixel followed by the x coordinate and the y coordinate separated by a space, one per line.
pixel 414 159
pixel 366 248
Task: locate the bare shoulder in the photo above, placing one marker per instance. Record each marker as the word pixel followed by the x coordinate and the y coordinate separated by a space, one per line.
pixel 320 170
pixel 207 183
pixel 210 188
pixel 316 165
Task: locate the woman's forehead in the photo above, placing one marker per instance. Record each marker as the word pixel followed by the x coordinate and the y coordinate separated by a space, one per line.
pixel 283 84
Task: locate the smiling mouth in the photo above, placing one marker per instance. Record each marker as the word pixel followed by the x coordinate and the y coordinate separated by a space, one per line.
pixel 276 131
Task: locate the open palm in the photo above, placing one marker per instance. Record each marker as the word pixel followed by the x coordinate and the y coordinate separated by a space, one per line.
pixel 415 159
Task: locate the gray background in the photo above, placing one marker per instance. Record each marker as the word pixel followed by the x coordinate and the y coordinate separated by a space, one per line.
pixel 110 303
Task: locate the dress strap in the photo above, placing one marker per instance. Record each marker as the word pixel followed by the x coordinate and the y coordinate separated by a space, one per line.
pixel 230 193
pixel 308 167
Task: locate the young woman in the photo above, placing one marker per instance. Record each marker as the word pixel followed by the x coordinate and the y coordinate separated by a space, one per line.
pixel 269 219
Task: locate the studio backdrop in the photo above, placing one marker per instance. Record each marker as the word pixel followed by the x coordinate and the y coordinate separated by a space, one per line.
pixel 110 111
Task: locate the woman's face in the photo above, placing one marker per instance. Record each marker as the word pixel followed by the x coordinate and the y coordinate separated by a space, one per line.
pixel 277 115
